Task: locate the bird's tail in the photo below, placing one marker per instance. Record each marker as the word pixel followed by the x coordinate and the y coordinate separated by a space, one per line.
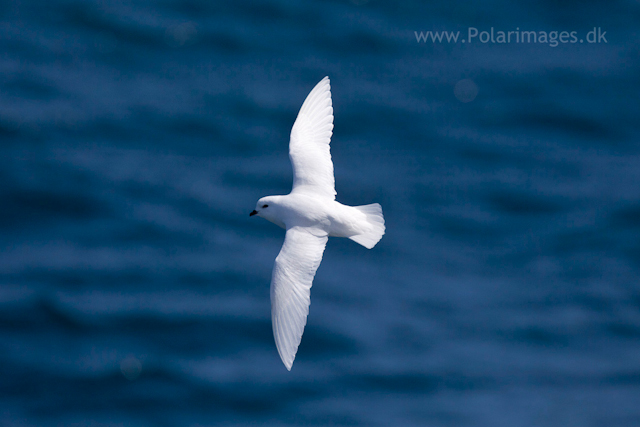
pixel 375 219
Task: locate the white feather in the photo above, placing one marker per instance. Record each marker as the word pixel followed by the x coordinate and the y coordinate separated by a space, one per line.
pixel 291 281
pixel 309 144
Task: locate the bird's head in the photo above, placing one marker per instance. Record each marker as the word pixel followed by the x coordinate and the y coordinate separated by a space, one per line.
pixel 268 208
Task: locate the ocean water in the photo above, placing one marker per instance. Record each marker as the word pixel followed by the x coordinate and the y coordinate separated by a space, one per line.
pixel 137 135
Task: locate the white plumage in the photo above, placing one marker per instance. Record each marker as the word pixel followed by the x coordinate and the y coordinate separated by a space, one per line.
pixel 310 214
pixel 309 144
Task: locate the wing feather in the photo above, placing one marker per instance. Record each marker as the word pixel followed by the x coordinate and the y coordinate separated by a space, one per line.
pixel 293 274
pixel 309 143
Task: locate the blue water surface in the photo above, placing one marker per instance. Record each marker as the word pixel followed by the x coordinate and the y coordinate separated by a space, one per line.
pixel 136 136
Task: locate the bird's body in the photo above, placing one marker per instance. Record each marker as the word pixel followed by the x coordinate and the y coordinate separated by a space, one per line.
pixel 303 210
pixel 310 214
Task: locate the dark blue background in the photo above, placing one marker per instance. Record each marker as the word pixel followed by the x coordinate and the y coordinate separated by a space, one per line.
pixel 136 137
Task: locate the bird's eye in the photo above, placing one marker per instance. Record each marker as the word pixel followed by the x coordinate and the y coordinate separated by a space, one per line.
pixel 265 206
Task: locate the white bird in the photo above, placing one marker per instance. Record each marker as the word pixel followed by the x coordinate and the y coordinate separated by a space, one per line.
pixel 310 214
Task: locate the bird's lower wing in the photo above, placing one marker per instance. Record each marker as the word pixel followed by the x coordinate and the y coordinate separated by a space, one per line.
pixel 309 144
pixel 291 281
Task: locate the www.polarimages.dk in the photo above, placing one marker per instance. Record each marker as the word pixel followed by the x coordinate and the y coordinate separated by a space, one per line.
pixel 552 38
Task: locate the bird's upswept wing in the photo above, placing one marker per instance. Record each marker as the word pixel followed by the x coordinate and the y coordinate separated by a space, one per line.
pixel 309 143
pixel 291 281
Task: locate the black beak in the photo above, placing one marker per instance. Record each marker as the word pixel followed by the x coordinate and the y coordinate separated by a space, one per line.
pixel 253 212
